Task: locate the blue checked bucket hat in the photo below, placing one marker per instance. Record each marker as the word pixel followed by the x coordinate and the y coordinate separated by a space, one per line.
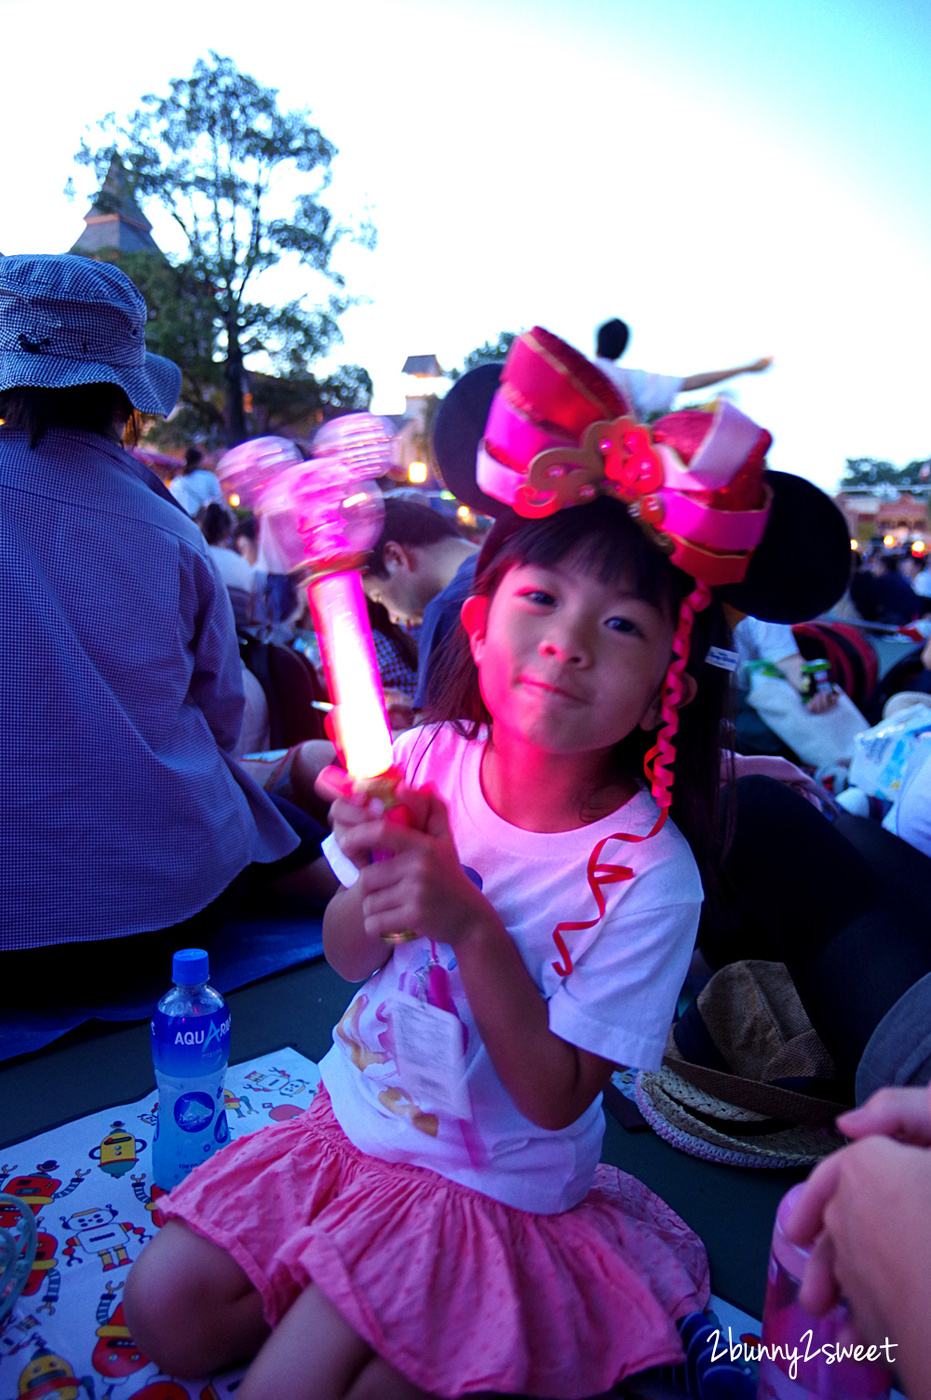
pixel 67 320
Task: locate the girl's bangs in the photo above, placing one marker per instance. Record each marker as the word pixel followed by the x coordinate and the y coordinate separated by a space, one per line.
pixel 599 539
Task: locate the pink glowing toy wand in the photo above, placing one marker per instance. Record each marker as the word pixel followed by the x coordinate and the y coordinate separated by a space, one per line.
pixel 325 514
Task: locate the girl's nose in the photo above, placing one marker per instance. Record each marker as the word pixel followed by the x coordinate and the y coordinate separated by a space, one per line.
pixel 567 645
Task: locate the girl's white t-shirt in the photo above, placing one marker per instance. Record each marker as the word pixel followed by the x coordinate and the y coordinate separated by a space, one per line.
pixel 617 1001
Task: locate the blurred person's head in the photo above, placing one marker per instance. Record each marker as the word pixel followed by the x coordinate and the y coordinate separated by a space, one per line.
pixel 192 460
pixel 246 538
pixel 414 558
pixel 611 339
pixel 215 523
pixel 72 349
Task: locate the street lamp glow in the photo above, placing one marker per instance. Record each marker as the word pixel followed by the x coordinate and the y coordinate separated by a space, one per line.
pixel 417 473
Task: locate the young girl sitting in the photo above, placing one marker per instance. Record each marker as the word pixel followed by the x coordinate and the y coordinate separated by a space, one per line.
pixel 437 1222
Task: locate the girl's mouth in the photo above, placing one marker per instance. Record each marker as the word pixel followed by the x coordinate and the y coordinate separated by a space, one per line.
pixel 537 684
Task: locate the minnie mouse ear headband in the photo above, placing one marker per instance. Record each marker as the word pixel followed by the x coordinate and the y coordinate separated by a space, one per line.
pixel 548 430
pixel 67 320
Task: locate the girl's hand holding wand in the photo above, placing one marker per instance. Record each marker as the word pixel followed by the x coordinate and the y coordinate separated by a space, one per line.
pixel 423 887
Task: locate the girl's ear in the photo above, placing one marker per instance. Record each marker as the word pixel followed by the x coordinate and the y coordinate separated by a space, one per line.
pixel 474 616
pixel 689 689
pixel 653 714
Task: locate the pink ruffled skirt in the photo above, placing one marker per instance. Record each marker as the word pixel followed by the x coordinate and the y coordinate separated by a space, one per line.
pixel 457 1291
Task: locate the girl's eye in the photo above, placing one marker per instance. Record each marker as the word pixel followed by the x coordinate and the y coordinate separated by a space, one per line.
pixel 624 624
pixel 539 596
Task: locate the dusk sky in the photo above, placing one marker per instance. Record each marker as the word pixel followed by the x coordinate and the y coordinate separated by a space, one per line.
pixel 733 180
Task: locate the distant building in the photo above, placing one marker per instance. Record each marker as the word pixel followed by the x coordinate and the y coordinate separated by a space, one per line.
pixel 114 222
pixel 425 385
pixel 905 516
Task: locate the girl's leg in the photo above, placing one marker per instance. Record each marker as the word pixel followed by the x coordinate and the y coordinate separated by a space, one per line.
pixel 314 1354
pixel 190 1307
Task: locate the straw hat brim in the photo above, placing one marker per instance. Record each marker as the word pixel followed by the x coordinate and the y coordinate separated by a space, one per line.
pixel 705 1126
pixel 767 1100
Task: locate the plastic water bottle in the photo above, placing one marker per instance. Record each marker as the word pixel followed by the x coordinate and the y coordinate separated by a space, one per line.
pixel 190 1049
pixel 804 1356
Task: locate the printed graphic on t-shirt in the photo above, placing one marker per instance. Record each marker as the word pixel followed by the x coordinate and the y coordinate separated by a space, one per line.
pixel 390 1043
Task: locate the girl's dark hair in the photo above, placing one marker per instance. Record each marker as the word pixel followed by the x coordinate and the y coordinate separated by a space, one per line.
pixel 89 408
pixel 609 545
pixel 215 522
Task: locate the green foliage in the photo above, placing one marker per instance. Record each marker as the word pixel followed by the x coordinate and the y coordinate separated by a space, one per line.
pixel 182 326
pixel 867 474
pixel 294 405
pixel 210 153
pixel 492 352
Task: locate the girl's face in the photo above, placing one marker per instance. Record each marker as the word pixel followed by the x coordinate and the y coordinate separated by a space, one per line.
pixel 568 664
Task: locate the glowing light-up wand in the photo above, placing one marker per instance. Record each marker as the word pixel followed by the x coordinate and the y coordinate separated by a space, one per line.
pixel 325 514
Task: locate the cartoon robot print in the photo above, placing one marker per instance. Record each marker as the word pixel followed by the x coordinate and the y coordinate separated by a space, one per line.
pixel 44 1270
pixel 222 1387
pixel 115 1355
pixel 98 1232
pixel 238 1104
pixel 50 1377
pixel 40 1189
pixel 149 1199
pixel 119 1151
pixel 162 1389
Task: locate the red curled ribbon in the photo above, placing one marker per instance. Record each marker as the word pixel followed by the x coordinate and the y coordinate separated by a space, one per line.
pixel 599 874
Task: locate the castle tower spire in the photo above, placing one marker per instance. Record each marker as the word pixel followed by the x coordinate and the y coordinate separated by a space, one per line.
pixel 114 221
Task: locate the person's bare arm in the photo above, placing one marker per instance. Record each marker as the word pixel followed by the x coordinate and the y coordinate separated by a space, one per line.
pixel 349 950
pixel 718 376
pixel 791 668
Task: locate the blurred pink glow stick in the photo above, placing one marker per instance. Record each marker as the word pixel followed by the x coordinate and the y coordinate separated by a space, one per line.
pixel 325 514
pixel 341 622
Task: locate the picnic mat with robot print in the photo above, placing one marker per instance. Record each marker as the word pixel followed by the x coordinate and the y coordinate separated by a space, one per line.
pixel 89 1186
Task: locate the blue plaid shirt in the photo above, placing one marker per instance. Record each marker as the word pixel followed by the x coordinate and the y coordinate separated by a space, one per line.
pixel 122 810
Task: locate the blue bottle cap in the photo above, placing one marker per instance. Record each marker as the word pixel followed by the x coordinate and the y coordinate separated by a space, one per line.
pixel 190 967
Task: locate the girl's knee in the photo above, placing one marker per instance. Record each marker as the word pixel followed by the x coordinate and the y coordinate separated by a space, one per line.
pixel 175 1297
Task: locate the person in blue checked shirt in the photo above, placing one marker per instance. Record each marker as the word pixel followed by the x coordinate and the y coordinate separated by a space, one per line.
pixel 128 829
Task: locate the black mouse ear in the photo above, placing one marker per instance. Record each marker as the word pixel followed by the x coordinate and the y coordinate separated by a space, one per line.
pixel 802 564
pixel 457 431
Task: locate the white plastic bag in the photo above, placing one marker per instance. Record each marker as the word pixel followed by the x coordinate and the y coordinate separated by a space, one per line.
pixel 883 753
pixel 817 739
